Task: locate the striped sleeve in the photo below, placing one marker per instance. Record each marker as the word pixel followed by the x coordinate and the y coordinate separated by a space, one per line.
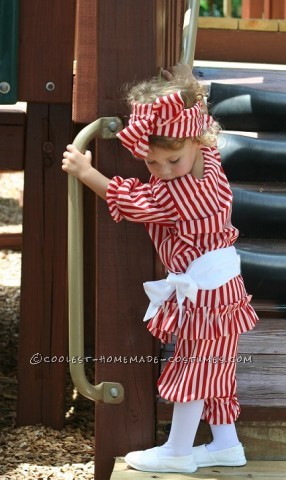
pixel 140 202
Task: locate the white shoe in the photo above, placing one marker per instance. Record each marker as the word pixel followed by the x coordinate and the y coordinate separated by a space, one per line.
pixel 228 457
pixel 150 461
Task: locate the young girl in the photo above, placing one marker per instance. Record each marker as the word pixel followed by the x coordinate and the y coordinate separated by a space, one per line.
pixel 186 208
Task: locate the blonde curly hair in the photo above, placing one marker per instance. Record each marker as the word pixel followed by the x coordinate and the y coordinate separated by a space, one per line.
pixel 191 91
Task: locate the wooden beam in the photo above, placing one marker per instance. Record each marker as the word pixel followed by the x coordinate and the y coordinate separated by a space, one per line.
pixel 260 470
pixel 12 133
pixel 43 320
pixel 267 9
pixel 240 46
pixel 46 50
pixel 120 270
pixel 114 49
pixel 259 25
pixel 252 9
pixel 12 241
pixel 166 22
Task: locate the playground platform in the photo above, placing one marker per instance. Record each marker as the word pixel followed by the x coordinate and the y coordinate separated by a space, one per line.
pixel 258 470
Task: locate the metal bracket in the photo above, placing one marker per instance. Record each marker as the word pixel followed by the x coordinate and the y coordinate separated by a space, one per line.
pixel 107 392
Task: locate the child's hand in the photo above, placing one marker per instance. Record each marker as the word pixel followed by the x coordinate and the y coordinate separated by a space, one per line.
pixel 76 163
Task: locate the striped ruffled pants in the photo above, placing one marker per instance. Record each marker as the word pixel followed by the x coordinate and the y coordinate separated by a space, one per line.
pixel 210 375
pixel 204 367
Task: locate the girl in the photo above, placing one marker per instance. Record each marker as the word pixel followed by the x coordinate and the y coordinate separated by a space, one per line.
pixel 186 208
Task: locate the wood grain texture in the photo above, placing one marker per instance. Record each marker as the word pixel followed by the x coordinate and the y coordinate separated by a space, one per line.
pixel 12 134
pixel 43 319
pixel 254 469
pixel 46 50
pixel 240 46
pixel 124 48
pixel 113 49
pixel 11 241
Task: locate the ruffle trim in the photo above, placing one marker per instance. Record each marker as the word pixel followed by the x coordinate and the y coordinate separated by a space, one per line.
pixel 203 322
pixel 218 411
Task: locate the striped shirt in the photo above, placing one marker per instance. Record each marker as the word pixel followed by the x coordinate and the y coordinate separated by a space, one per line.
pixel 185 217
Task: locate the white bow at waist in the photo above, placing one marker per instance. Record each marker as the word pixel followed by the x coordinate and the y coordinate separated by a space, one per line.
pixel 210 271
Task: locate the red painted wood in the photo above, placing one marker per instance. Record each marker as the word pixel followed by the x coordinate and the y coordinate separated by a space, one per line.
pixel 121 267
pixel 12 132
pixel 43 321
pixel 266 9
pixel 252 9
pixel 278 9
pixel 124 253
pixel 46 50
pixel 12 241
pixel 165 20
pixel 240 46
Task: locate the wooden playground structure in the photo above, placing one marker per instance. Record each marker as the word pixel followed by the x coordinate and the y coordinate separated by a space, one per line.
pixel 73 57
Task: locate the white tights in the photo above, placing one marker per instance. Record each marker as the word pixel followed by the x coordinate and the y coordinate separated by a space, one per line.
pixel 185 422
pixel 224 436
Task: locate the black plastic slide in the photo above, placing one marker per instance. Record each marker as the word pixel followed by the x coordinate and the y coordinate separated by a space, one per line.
pixel 259 214
pixel 253 159
pixel 248 109
pixel 264 274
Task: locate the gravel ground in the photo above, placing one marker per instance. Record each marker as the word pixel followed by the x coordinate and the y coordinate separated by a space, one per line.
pixel 33 452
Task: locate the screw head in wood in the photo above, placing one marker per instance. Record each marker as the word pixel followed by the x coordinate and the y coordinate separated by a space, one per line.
pixel 5 87
pixel 50 86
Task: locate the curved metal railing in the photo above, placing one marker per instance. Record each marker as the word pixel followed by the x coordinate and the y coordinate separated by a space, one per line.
pixel 190 32
pixel 108 392
pixel 107 127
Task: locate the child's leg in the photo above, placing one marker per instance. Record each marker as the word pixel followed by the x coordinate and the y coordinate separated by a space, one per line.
pixel 225 449
pixel 185 422
pixel 224 436
pixel 221 413
pixel 176 454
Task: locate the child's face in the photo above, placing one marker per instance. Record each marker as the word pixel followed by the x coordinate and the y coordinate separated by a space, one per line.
pixel 167 164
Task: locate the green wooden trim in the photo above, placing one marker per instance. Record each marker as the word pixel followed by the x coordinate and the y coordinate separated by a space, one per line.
pixel 9 40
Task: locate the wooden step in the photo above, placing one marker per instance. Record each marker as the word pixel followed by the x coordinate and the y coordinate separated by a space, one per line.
pixel 261 365
pixel 259 470
pixel 261 385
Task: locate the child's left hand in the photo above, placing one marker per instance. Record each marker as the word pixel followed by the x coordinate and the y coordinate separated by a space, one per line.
pixel 75 162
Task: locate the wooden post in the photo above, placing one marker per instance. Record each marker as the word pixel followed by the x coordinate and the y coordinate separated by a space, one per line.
pixel 227 8
pixel 252 9
pixel 43 326
pixel 267 9
pixel 46 52
pixel 118 42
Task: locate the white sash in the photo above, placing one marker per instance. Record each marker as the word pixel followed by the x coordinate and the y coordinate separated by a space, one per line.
pixel 210 271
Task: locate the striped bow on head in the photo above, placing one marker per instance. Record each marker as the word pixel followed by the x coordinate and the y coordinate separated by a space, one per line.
pixel 165 117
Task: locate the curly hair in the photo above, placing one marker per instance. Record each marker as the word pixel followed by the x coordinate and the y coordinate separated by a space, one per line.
pixel 191 91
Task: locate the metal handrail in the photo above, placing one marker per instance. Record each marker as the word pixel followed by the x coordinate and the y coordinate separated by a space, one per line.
pixel 108 392
pixel 107 127
pixel 190 32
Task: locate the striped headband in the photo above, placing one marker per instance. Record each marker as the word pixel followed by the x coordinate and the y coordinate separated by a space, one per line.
pixel 165 117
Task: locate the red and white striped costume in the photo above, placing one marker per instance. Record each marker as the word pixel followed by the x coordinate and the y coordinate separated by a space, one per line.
pixel 187 217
